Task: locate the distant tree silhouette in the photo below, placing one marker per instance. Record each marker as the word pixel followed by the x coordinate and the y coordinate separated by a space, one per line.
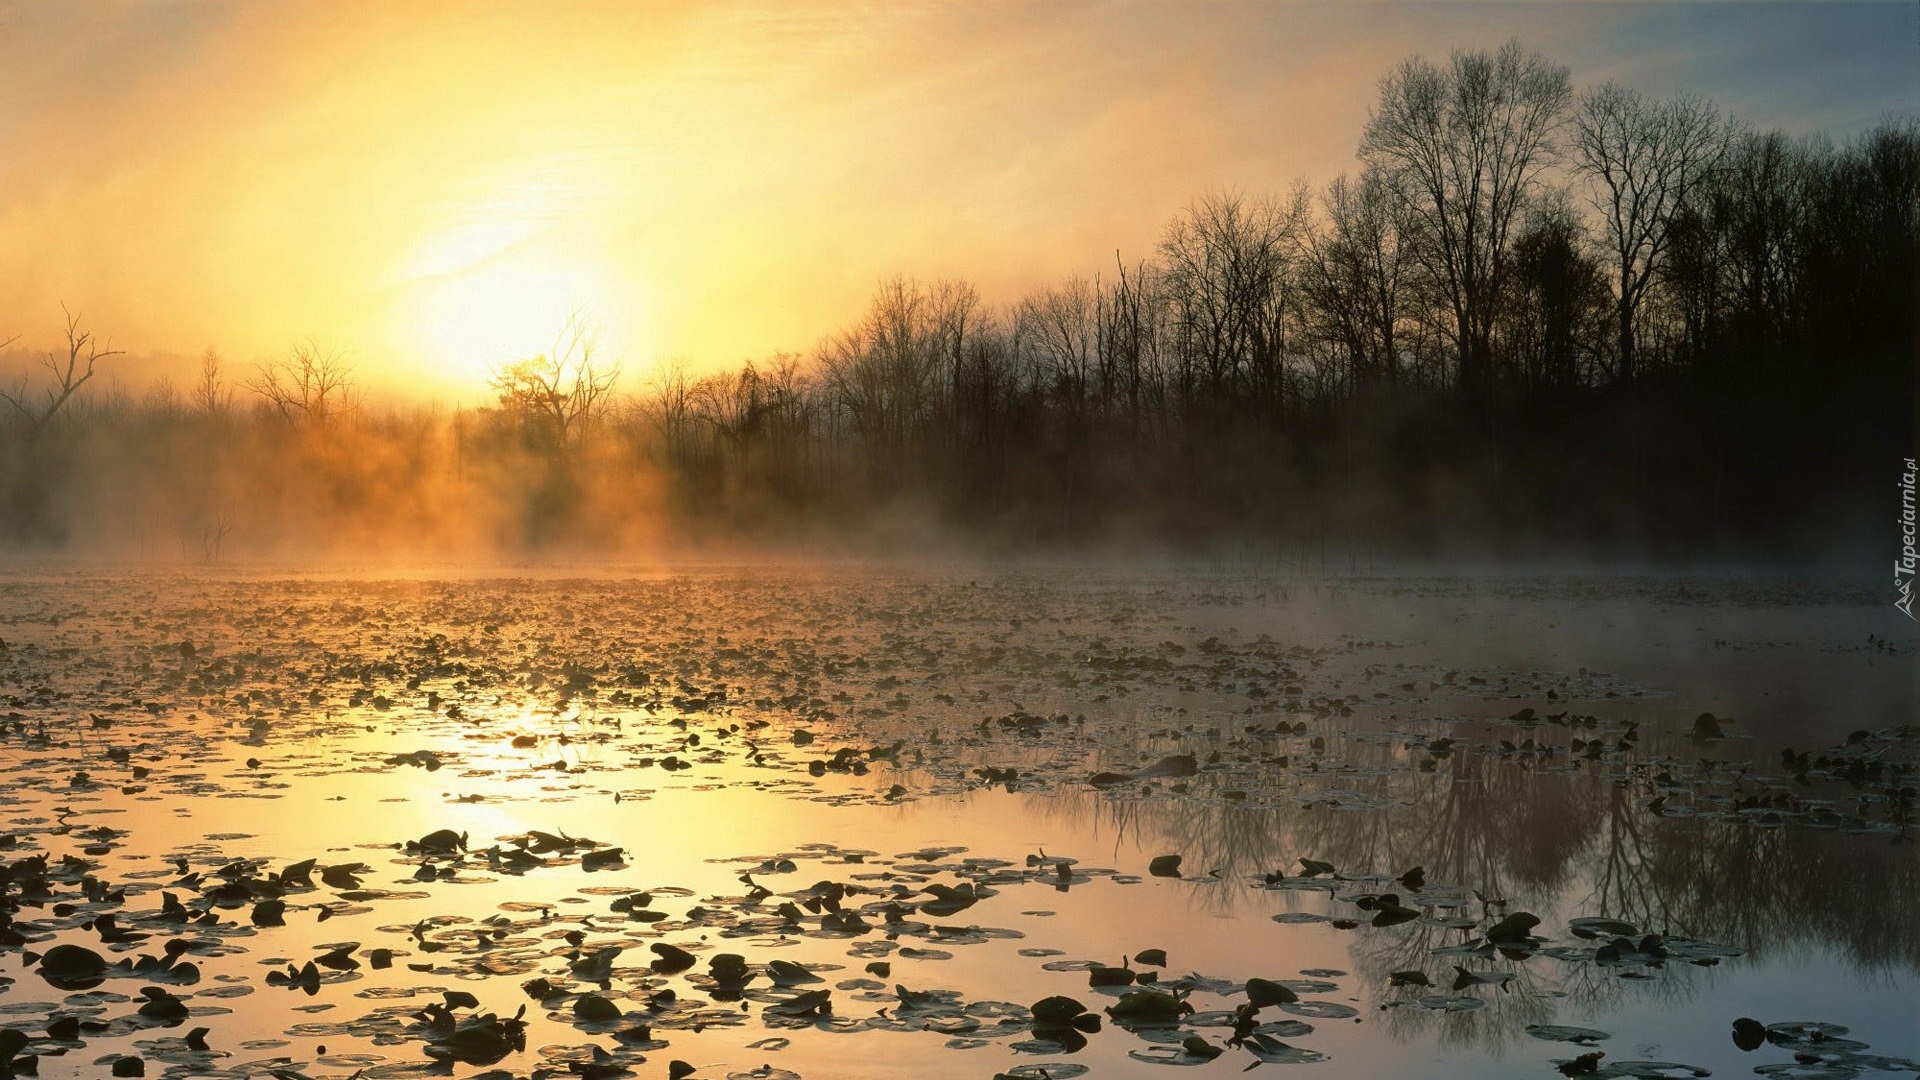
pixel 67 376
pixel 1705 335
pixel 1229 267
pixel 1553 324
pixel 312 387
pixel 558 395
pixel 1645 160
pixel 1463 148
pixel 211 394
pixel 1357 281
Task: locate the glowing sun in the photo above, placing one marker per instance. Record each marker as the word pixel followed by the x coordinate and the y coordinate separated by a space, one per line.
pixel 498 311
pixel 490 292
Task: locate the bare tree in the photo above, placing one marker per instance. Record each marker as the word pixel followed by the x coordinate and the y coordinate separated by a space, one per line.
pixel 1063 322
pixel 1463 148
pixel 562 392
pixel 1646 158
pixel 733 405
pixel 884 373
pixel 669 406
pixel 956 317
pixel 1557 309
pixel 69 375
pixel 211 395
pixel 1228 263
pixel 1356 280
pixel 311 388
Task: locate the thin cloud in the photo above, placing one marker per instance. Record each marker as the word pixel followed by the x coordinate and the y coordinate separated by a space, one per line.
pixel 730 180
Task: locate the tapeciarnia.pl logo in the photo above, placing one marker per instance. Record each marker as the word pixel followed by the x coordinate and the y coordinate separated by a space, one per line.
pixel 1903 566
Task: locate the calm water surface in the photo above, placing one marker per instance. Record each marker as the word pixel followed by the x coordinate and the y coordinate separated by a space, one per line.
pixel 937 798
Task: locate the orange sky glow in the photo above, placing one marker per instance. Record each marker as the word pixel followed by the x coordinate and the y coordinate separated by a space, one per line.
pixel 433 189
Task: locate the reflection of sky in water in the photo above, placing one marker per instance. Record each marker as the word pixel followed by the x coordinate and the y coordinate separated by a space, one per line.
pixel 1826 917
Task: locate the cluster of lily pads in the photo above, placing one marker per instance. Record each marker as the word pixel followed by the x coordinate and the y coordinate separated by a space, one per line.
pixel 206 693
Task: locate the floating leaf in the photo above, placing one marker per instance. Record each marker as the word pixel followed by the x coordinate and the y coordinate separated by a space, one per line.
pixel 1516 928
pixel 810 1003
pixel 788 973
pixel 73 967
pixel 1264 992
pixel 1056 1010
pixel 670 958
pixel 593 1007
pixel 1148 1007
pixel 1273 1051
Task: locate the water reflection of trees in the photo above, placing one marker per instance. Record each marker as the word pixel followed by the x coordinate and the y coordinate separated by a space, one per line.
pixel 1557 840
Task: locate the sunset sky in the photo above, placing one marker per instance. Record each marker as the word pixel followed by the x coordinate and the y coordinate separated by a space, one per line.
pixel 431 188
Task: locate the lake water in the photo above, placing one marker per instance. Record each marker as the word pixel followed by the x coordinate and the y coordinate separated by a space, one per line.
pixel 1451 826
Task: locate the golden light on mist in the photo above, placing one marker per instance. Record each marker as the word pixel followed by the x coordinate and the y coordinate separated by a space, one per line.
pixel 504 307
pixel 434 188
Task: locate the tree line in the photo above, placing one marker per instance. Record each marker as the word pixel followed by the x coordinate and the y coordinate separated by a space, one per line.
pixel 1532 318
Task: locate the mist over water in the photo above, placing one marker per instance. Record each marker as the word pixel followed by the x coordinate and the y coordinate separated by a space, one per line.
pixel 1432 621
pixel 1657 334
pixel 547 788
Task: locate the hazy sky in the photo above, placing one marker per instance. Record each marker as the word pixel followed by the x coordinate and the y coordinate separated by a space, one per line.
pixel 430 188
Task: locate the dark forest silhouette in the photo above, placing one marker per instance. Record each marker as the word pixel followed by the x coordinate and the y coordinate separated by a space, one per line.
pixel 1533 321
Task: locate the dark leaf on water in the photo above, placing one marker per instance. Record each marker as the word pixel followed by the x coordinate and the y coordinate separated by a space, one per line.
pixel 161 1005
pixel 306 978
pixel 671 958
pixel 597 966
pixel 340 959
pixel 1561 1033
pixel 12 1041
pixel 344 876
pixel 73 967
pixel 1591 928
pixel 1148 1007
pixel 811 1003
pixel 601 859
pixel 788 973
pixel 915 999
pixel 729 969
pixel 1200 1048
pixel 1463 978
pixel 1264 992
pixel 1273 1051
pixel 595 1008
pixel 440 841
pixel 1516 928
pixel 1056 1010
pixel 1584 1065
pixel 1392 913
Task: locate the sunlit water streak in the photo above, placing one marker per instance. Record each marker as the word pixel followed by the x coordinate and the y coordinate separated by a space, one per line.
pixel 284 732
